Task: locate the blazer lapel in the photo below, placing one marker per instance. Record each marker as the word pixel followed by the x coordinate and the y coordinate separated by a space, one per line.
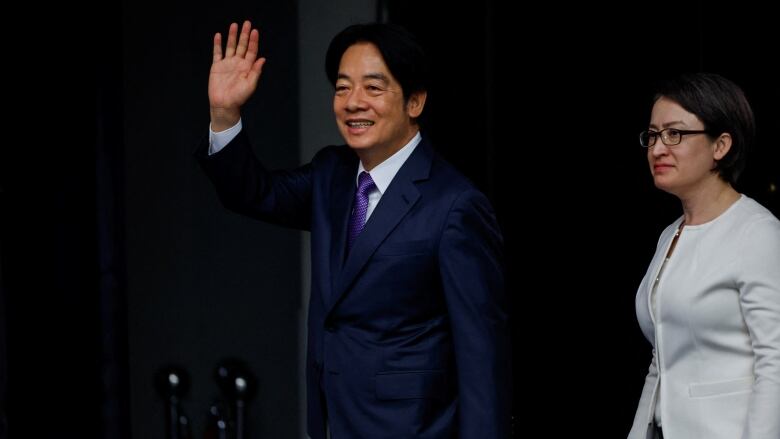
pixel 399 198
pixel 342 192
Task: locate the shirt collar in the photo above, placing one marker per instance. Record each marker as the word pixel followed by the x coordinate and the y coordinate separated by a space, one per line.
pixel 383 173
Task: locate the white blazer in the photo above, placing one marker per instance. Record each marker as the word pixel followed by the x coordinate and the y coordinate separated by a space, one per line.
pixel 716 329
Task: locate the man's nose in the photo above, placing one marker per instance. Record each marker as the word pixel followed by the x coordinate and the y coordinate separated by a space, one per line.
pixel 355 100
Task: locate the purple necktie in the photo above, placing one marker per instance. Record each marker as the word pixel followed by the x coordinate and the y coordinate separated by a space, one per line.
pixel 358 217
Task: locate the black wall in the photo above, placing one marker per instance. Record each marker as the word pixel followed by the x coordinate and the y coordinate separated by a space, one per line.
pixel 48 238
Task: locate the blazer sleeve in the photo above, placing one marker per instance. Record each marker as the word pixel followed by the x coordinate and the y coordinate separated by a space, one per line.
pixel 642 421
pixel 245 186
pixel 471 266
pixel 758 281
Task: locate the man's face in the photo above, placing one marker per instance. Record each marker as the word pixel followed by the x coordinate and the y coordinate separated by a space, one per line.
pixel 369 105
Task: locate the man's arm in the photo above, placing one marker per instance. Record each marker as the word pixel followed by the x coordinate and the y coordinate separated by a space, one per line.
pixel 471 266
pixel 245 186
pixel 242 182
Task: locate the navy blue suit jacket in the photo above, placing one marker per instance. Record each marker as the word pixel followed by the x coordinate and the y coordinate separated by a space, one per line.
pixel 407 332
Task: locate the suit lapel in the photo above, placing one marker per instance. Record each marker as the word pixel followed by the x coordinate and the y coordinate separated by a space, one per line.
pixel 342 192
pixel 400 197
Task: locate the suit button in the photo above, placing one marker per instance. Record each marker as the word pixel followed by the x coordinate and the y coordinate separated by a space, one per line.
pixel 330 328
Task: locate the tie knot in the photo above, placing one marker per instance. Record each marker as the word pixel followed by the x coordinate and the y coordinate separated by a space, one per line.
pixel 365 183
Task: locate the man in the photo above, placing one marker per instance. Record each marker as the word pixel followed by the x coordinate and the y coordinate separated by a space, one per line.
pixel 407 324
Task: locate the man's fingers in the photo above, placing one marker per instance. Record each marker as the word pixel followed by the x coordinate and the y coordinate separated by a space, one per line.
pixel 254 44
pixel 230 50
pixel 217 48
pixel 243 39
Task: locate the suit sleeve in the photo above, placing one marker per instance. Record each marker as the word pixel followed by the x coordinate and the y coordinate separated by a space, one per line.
pixel 759 290
pixel 246 187
pixel 642 421
pixel 471 265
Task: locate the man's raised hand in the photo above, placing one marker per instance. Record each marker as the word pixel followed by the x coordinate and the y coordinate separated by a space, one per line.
pixel 233 77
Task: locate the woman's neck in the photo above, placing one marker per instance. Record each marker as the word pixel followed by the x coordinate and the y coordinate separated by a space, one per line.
pixel 707 204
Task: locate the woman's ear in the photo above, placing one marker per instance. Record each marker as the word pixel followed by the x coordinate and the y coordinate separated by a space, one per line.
pixel 722 146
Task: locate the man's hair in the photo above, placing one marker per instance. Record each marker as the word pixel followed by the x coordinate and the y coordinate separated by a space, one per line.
pixel 400 50
pixel 723 108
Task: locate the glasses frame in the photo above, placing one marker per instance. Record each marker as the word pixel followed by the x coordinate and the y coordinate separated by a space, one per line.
pixel 659 134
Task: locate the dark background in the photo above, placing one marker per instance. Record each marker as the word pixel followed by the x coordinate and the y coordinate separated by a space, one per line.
pixel 117 259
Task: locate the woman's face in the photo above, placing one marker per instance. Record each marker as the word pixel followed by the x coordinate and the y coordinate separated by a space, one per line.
pixel 679 169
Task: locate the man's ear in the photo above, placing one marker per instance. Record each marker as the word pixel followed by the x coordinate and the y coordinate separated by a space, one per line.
pixel 722 146
pixel 416 103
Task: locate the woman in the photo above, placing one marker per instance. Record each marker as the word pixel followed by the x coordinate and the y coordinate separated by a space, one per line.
pixel 710 301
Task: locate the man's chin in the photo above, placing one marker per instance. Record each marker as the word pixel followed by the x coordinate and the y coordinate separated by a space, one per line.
pixel 358 145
